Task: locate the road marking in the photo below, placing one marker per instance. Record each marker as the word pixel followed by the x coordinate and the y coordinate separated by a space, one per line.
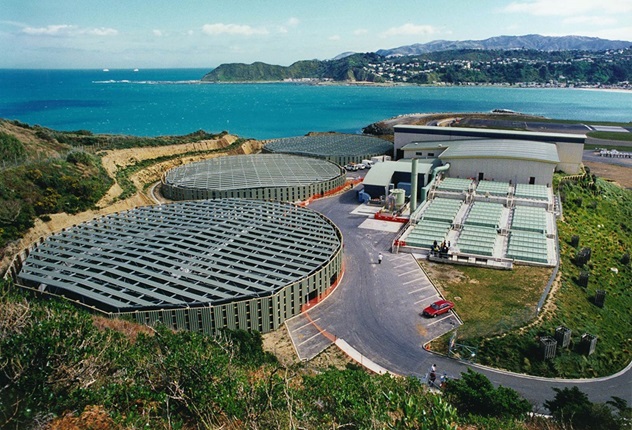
pixel 305 325
pixel 410 282
pixel 419 289
pixel 310 338
pixel 448 315
pixel 425 299
pixel 403 265
pixel 406 273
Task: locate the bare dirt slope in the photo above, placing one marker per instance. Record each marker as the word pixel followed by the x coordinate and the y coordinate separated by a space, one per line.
pixel 620 174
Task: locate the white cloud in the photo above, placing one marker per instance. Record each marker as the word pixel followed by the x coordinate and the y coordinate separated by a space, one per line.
pixel 51 30
pixel 157 33
pixel 360 32
pixel 409 30
pixel 569 7
pixel 291 23
pixel 101 31
pixel 590 20
pixel 234 29
pixel 68 30
pixel 335 37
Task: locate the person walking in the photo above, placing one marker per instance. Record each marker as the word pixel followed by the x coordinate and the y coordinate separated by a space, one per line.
pixel 379 258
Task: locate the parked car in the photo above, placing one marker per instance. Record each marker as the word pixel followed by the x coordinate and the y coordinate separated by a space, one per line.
pixel 437 308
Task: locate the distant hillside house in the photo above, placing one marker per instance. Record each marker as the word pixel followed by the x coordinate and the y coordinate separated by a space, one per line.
pixel 500 155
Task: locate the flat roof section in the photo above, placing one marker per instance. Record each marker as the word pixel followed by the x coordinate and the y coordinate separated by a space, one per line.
pixel 462 132
pixel 252 171
pixel 382 173
pixel 194 253
pixel 431 144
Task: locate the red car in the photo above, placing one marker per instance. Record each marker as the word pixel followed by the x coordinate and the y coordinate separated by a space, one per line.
pixel 438 308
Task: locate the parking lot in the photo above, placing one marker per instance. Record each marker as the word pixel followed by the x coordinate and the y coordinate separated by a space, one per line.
pixel 377 306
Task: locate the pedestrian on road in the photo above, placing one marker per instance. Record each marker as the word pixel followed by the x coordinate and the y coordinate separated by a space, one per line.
pixel 379 258
pixel 433 369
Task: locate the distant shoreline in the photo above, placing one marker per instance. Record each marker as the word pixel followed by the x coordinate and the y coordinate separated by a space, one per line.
pixel 626 89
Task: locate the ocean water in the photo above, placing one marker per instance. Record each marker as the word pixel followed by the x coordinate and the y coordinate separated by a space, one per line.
pixel 173 101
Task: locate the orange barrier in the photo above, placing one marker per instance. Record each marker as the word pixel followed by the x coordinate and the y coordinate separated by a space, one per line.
pixel 350 182
pixel 383 217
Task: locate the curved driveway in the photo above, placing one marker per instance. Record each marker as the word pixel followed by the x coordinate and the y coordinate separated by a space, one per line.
pixel 376 310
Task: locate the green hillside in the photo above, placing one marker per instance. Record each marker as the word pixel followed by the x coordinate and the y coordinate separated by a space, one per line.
pixel 352 68
pixel 462 66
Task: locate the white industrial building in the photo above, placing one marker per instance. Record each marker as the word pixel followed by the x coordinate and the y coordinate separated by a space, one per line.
pixel 527 155
pixel 513 161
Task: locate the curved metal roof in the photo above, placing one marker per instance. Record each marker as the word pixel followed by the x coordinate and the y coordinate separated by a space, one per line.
pixel 252 171
pixel 333 144
pixel 183 254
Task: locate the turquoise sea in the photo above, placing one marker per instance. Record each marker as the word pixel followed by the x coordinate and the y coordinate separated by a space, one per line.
pixel 173 101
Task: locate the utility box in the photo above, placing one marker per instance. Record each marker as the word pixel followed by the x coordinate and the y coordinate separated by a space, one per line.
pixel 563 336
pixel 588 343
pixel 548 345
pixel 583 278
pixel 600 298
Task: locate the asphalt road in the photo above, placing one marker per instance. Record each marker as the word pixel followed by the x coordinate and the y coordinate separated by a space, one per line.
pixel 376 309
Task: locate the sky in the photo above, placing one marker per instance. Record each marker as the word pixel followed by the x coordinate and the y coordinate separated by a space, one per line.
pixel 96 34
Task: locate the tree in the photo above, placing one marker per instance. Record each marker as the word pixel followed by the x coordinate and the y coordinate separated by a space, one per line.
pixel 571 406
pixel 475 394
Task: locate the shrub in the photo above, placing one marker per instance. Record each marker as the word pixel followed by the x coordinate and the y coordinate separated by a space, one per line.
pixel 474 394
pixel 11 149
pixel 80 157
pixel 575 241
pixel 45 135
pixel 249 347
pixel 571 406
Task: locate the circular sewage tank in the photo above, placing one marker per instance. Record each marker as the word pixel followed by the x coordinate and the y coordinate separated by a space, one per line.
pixel 198 265
pixel 279 177
pixel 336 147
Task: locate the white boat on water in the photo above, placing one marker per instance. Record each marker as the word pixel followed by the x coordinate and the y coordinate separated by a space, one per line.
pixel 106 70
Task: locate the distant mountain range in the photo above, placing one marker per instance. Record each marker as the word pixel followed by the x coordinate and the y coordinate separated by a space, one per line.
pixel 529 41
